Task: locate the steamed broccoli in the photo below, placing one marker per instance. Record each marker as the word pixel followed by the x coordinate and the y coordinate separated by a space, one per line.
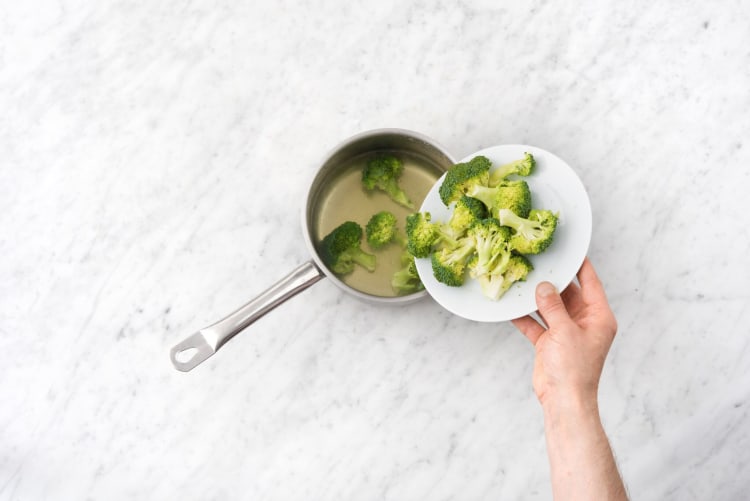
pixel 382 172
pixel 406 279
pixel 492 243
pixel 449 264
pixel 494 285
pixel 381 230
pixel 340 249
pixel 521 167
pixel 491 228
pixel 533 234
pixel 463 175
pixel 422 234
pixel 513 195
pixel 466 212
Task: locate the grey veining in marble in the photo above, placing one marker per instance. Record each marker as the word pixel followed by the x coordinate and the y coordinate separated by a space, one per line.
pixel 153 161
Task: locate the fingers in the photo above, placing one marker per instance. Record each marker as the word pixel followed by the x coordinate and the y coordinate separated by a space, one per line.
pixel 553 308
pixel 594 295
pixel 592 289
pixel 550 304
pixel 529 328
pixel 571 296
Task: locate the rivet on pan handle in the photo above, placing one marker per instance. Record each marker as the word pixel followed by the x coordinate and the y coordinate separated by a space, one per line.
pixel 195 349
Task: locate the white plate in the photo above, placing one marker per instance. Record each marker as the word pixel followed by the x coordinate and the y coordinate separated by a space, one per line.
pixel 554 186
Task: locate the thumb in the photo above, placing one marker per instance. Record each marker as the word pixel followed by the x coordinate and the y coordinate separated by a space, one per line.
pixel 550 304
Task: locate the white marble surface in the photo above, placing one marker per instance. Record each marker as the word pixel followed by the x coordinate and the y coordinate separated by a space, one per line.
pixel 136 141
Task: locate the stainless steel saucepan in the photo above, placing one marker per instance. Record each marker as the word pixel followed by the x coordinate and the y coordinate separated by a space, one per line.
pixel 195 349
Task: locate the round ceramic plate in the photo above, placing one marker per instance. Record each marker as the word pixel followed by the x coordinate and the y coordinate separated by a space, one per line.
pixel 554 186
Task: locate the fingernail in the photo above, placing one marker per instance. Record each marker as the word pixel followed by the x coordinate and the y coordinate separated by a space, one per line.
pixel 545 289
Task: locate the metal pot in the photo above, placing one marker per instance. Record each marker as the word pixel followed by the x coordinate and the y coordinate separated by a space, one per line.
pixel 195 349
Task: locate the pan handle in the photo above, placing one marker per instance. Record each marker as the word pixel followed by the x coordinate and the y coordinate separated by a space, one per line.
pixel 195 349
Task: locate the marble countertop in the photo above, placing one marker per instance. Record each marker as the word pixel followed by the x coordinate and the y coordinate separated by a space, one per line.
pixel 136 141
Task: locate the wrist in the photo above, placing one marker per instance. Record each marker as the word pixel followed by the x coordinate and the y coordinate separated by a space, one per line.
pixel 577 405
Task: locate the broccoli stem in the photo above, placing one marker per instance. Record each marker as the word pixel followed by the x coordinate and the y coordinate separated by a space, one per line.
pixel 483 194
pixel 398 195
pixel 364 259
pixel 529 229
pixel 504 171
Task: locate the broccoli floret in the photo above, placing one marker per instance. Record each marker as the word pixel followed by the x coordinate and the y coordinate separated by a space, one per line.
pixel 533 234
pixel 340 249
pixel 466 212
pixel 461 176
pixel 495 285
pixel 518 268
pixel 449 264
pixel 381 230
pixel 422 234
pixel 513 195
pixel 382 172
pixel 521 167
pixel 406 279
pixel 492 243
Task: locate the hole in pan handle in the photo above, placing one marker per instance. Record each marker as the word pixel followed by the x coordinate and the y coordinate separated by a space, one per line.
pixel 195 349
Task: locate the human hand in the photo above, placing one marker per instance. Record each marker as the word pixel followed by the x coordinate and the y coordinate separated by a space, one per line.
pixel 571 350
